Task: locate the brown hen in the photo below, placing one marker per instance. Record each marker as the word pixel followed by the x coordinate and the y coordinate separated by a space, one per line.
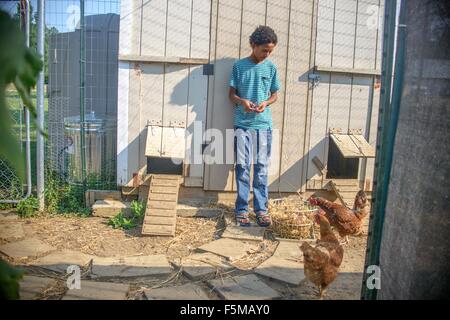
pixel 321 263
pixel 345 220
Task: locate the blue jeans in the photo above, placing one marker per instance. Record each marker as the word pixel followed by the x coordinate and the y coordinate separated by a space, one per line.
pixel 256 145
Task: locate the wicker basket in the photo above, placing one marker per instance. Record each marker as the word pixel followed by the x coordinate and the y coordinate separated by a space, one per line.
pixel 293 225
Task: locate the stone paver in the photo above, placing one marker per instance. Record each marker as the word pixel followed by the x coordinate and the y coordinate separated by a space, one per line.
pixel 59 261
pixel 28 248
pixel 248 287
pixel 229 248
pixel 188 210
pixel 289 249
pixel 240 233
pixel 92 290
pixel 8 216
pixel 187 291
pixel 109 208
pixel 199 265
pixel 11 231
pixel 131 266
pixel 31 286
pixel 284 270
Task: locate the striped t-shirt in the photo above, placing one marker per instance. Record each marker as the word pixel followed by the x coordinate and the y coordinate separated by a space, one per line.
pixel 254 82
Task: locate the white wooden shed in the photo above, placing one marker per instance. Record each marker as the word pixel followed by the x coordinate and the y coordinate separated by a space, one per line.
pixel 175 59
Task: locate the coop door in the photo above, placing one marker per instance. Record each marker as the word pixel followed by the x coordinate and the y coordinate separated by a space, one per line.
pixel 344 154
pixel 340 167
pixel 165 148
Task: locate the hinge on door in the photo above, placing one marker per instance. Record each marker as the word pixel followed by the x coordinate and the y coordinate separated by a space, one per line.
pixel 154 122
pixel 336 130
pixel 208 69
pixel 355 131
pixel 177 124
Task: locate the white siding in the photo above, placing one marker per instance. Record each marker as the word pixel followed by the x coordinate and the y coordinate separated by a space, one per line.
pixel 227 43
pixel 196 115
pixel 200 29
pixel 278 19
pixel 344 33
pixel 178 28
pixel 122 123
pixel 366 34
pixel 325 23
pixel 154 15
pixel 318 128
pixel 220 30
pixel 296 97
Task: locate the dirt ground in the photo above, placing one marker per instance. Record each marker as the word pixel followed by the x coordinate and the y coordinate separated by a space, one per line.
pixel 93 236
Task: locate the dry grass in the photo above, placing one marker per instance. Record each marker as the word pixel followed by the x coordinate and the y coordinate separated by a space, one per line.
pixel 255 256
pixel 93 236
pixel 192 233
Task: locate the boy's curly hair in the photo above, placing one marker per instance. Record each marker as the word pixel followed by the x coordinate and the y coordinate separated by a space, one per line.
pixel 263 35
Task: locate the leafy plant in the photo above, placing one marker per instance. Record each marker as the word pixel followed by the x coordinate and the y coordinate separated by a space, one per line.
pixel 20 66
pixel 119 221
pixel 52 192
pixel 137 217
pixel 28 207
pixel 6 206
pixel 62 197
pixel 9 281
pixel 138 210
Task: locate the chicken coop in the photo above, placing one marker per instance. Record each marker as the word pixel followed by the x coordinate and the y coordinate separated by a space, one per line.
pixel 175 60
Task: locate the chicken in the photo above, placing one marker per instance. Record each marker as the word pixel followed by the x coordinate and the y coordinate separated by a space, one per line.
pixel 322 262
pixel 361 206
pixel 345 220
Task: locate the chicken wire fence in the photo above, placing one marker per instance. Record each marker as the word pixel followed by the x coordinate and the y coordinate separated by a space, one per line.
pixel 347 36
pixel 68 65
pixel 11 187
pixel 74 64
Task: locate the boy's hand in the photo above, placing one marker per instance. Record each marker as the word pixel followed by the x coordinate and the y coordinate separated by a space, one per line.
pixel 261 107
pixel 248 105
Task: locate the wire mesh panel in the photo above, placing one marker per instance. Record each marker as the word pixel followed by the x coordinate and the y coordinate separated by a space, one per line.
pixel 86 69
pixel 11 187
pixel 345 96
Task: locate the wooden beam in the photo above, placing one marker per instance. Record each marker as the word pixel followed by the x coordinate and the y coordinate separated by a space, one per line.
pixel 162 59
pixel 371 72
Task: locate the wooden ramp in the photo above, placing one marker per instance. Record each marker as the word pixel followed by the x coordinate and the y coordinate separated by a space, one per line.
pixel 161 213
pixel 345 190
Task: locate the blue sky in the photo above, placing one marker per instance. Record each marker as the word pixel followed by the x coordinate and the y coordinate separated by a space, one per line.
pixel 64 14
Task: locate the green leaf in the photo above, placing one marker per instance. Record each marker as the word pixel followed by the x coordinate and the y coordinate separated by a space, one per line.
pixel 9 281
pixel 9 144
pixel 20 66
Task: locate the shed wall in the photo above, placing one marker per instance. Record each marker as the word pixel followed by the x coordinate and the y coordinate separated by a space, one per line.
pixel 292 21
pixel 155 91
pixel 348 36
pixel 327 33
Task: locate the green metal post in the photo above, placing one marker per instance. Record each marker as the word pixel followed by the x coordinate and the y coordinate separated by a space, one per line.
pixel 388 117
pixel 82 106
